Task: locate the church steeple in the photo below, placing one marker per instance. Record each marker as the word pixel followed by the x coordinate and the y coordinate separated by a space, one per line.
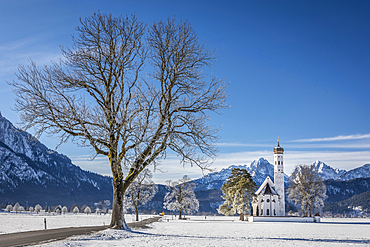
pixel 278 149
pixel 279 177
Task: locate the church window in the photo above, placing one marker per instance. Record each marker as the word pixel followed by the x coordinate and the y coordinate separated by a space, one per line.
pixel 268 200
pixel 275 162
pixel 274 212
pixel 279 162
pixel 267 212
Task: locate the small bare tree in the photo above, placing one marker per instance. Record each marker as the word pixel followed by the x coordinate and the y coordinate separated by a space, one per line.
pixel 64 210
pixel 181 196
pixel 307 189
pixel 98 97
pixel 21 209
pixel 87 210
pixel 16 207
pixel 38 208
pixel 9 208
pixel 75 210
pixel 141 191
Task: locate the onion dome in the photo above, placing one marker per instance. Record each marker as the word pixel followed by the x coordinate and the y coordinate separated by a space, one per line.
pixel 278 149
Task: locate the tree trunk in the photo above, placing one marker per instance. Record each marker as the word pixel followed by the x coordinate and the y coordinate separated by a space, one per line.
pixel 180 214
pixel 118 219
pixel 241 217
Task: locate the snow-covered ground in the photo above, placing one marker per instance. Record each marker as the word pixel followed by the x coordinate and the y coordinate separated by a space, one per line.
pixel 213 231
pixel 21 222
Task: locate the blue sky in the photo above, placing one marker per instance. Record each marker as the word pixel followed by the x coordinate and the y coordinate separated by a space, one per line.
pixel 297 69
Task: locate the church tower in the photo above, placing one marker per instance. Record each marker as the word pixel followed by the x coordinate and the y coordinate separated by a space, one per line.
pixel 279 178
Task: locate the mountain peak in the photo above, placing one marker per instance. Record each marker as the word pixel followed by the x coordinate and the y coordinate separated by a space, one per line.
pixel 326 171
pixel 258 169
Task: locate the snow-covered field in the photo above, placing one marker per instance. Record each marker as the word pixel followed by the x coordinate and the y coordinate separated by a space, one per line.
pixel 197 231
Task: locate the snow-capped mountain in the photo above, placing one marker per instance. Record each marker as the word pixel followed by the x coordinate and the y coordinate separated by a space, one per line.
pixel 327 172
pixel 360 172
pixel 29 171
pixel 259 170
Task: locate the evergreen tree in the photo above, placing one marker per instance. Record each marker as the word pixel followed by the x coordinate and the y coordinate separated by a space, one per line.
pixel 238 192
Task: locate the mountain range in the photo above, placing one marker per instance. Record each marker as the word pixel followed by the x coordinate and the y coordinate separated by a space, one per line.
pixel 31 172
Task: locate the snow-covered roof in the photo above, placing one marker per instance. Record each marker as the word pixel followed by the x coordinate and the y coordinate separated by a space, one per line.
pixel 266 187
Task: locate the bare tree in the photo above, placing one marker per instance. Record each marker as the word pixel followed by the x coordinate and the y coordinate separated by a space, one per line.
pixel 21 209
pixel 16 207
pixel 141 191
pixel 64 210
pixel 75 210
pixel 307 189
pixel 38 208
pixel 96 96
pixel 87 210
pixel 181 196
pixel 9 208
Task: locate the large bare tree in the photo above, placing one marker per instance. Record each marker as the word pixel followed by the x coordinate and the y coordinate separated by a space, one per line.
pixel 307 189
pixel 99 96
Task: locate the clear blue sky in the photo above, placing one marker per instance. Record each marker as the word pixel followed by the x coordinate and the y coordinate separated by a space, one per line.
pixel 297 69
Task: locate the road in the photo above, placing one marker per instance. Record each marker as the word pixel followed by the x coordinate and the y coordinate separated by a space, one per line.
pixel 34 237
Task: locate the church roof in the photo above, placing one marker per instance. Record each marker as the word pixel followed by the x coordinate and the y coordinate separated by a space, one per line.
pixel 266 188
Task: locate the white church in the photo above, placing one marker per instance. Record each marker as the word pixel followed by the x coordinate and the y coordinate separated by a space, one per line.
pixel 270 200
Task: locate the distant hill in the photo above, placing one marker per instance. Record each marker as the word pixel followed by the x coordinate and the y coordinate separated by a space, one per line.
pixel 354 199
pixel 29 171
pixel 337 190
